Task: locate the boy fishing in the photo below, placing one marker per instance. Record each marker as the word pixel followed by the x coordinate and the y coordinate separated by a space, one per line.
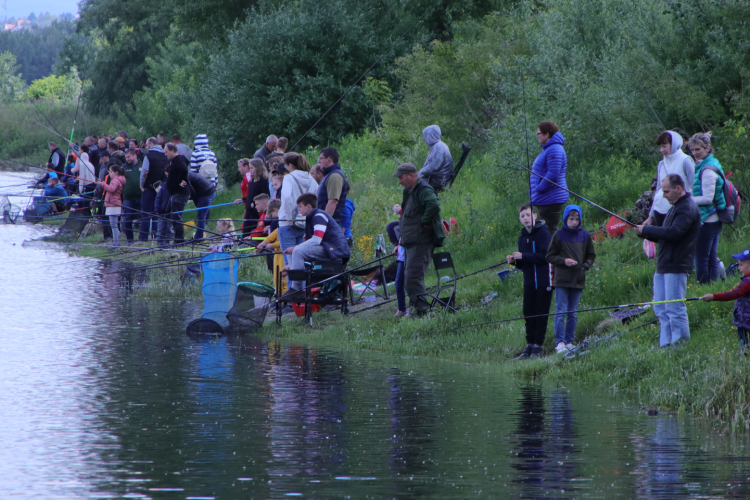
pixel 537 292
pixel 572 253
pixel 741 295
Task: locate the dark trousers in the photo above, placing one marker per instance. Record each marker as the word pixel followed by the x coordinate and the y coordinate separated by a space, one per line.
pixel 551 215
pixel 177 204
pixel 130 212
pixel 536 301
pixel 706 261
pixel 148 197
pixel 418 258
pixel 742 333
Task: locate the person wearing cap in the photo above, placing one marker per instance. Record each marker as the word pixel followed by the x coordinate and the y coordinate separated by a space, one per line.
pixel 677 238
pixel 421 231
pixel 741 295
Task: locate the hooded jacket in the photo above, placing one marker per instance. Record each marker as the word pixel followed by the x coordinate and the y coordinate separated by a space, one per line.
pixel 86 172
pixel 552 165
pixel 113 198
pixel 290 191
pixel 533 247
pixel 201 154
pixel 573 244
pixel 439 163
pixel 677 163
pixel 677 237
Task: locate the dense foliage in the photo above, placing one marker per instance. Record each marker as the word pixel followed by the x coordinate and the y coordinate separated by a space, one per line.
pixel 37 50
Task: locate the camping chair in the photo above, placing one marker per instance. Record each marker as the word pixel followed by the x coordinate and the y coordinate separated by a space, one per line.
pixel 334 292
pixel 444 262
pixel 364 277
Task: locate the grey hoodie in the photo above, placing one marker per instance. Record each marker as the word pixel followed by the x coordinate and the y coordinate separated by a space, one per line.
pixel 295 185
pixel 676 163
pixel 439 163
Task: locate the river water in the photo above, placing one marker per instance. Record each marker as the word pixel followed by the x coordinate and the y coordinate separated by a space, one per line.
pixel 104 396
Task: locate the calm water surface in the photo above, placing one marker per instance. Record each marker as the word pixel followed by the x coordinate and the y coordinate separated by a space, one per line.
pixel 104 396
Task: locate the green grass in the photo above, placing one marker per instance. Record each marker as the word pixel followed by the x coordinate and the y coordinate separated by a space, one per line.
pixel 706 378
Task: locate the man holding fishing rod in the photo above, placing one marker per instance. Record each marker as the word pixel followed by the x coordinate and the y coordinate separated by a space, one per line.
pixel 677 238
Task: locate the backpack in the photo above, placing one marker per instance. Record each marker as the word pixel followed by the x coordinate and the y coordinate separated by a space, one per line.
pixel 732 197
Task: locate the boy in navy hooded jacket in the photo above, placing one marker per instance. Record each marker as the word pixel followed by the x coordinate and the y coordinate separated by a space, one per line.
pixel 572 253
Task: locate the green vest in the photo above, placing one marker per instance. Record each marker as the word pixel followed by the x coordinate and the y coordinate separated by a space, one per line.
pixel 720 202
pixel 132 189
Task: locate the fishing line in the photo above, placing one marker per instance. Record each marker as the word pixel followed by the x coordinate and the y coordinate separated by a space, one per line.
pixel 623 306
pixel 188 261
pixel 430 287
pixel 569 191
pixel 360 78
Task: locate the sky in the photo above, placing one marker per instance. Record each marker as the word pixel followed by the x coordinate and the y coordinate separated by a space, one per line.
pixel 22 8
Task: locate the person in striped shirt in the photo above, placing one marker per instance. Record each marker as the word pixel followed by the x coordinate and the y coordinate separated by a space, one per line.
pixel 202 153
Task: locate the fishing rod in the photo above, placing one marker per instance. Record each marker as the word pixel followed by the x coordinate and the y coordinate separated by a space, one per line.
pixel 431 287
pixel 188 261
pixel 360 78
pixel 623 306
pixel 569 191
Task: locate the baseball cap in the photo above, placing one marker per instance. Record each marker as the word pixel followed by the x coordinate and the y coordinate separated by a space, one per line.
pixel 405 168
pixel 743 255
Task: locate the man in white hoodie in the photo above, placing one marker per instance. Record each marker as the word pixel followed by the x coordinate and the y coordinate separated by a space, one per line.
pixel 676 162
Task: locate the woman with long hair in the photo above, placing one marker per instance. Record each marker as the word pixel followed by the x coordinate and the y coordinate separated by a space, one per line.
pixel 257 184
pixel 296 183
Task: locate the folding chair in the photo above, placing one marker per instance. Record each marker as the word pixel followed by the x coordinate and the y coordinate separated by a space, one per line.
pixel 444 262
pixel 364 277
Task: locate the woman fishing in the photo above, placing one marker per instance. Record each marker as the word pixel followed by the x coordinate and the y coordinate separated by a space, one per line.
pixel 113 199
pixel 548 182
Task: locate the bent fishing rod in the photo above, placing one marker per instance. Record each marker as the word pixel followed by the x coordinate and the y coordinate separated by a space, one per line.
pixel 622 306
pixel 569 191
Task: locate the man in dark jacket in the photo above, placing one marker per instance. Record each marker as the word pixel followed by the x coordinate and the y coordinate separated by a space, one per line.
pixel 131 193
pixel 537 290
pixel 265 151
pixel 421 231
pixel 56 159
pixel 202 192
pixel 677 238
pixel 154 164
pixel 333 187
pixel 179 192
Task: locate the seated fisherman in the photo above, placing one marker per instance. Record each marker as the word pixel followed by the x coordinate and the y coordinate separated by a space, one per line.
pixel 324 240
pixel 53 193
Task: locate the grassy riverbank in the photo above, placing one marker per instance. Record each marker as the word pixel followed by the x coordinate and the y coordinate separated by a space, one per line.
pixel 706 378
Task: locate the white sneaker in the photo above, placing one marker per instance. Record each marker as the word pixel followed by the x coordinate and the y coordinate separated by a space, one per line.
pixel 561 348
pixel 570 346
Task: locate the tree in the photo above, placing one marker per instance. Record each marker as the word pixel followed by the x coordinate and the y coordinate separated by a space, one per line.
pixel 11 83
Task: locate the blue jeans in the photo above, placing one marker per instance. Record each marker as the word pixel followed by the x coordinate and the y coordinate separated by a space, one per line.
pixel 400 291
pixel 147 206
pixel 290 236
pixel 706 261
pixel 130 211
pixel 203 214
pixel 673 317
pixel 566 301
pixel 164 232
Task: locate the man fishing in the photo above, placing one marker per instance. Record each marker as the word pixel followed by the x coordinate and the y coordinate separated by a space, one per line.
pixel 677 238
pixel 421 231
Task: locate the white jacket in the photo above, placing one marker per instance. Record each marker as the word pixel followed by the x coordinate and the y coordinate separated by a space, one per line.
pixel 676 163
pixel 290 191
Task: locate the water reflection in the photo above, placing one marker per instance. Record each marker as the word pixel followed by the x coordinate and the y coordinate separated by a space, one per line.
pixel 545 438
pixel 103 395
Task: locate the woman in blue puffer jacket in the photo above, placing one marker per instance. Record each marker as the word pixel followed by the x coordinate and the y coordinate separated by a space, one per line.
pixel 548 180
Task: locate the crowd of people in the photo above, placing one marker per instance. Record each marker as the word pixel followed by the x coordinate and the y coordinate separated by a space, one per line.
pixel 304 212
